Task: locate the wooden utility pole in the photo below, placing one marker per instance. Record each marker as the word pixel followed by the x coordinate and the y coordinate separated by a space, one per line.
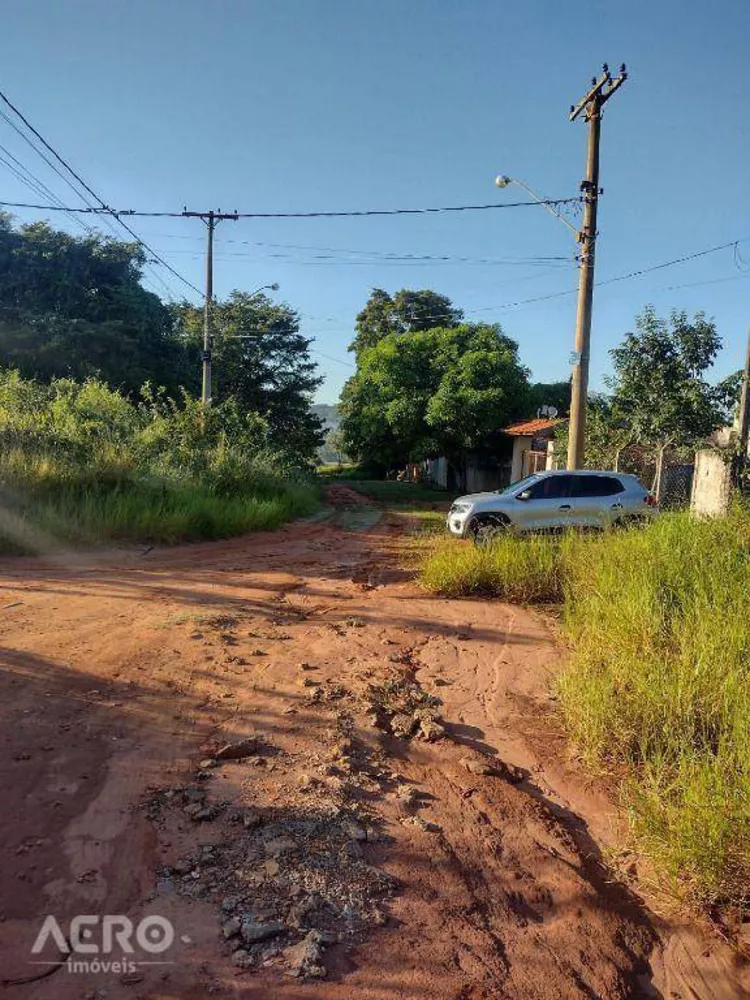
pixel 211 219
pixel 591 106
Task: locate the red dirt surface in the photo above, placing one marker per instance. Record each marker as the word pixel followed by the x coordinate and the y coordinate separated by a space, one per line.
pixel 122 672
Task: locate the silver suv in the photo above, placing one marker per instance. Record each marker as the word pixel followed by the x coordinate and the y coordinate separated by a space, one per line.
pixel 551 501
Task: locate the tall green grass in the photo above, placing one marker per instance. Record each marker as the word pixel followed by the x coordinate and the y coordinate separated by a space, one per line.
pixel 656 687
pixel 522 570
pixel 79 463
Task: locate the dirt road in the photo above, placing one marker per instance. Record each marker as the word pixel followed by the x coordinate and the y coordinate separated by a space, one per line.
pixel 244 739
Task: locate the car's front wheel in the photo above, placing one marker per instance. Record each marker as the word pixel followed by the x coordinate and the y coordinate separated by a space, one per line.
pixel 484 528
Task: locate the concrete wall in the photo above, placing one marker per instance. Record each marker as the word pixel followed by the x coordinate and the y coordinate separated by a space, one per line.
pixel 437 471
pixel 711 484
pixel 480 473
pixel 520 445
pixel 480 480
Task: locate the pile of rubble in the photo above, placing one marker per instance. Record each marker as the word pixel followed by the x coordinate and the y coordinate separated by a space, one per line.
pixel 288 885
pixel 291 880
pixel 403 709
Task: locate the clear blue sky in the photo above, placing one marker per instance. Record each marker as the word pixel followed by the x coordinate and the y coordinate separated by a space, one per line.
pixel 286 105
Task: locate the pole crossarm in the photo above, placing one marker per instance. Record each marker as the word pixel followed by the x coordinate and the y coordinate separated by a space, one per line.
pixel 601 91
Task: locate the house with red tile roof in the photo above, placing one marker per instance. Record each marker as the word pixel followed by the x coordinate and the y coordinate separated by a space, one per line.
pixel 533 446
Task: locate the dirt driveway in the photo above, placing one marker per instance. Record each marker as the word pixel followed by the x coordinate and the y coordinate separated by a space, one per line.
pixel 328 783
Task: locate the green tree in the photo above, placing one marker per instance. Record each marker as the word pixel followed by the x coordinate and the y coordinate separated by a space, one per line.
pixel 659 387
pixel 406 312
pixel 555 394
pixel 441 391
pixel 262 360
pixel 74 307
pixel 607 435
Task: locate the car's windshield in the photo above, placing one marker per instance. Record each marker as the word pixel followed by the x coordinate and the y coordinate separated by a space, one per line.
pixel 517 486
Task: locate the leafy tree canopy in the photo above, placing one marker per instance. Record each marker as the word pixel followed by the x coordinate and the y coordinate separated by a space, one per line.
pixel 406 312
pixel 432 392
pixel 75 307
pixel 555 394
pixel 659 386
pixel 263 361
pixel 606 434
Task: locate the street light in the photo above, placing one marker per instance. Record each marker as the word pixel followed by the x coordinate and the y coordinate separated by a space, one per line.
pixel 265 288
pixel 271 288
pixel 503 181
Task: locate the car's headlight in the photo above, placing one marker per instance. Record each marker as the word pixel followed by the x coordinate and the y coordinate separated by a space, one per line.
pixel 460 508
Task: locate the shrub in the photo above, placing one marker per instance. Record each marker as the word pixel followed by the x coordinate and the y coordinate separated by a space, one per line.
pixel 80 462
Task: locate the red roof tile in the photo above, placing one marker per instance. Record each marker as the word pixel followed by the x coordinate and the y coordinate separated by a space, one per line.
pixel 528 428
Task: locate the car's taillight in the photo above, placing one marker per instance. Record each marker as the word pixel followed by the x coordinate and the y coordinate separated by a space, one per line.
pixel 650 500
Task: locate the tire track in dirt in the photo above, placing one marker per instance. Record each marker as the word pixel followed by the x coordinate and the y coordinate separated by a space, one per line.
pixel 502 892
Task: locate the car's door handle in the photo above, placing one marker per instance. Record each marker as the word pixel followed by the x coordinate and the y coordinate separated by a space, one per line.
pixel 616 506
pixel 565 506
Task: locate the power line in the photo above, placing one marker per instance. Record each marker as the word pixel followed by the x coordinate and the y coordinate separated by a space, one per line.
pixel 46 159
pixel 379 254
pixel 572 291
pixel 131 212
pixel 621 277
pixel 56 170
pixel 709 281
pixel 539 298
pixel 541 258
pixel 394 260
pixel 30 180
pixel 104 208
pixel 330 357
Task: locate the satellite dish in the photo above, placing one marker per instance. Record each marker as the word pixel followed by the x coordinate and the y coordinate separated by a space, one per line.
pixel 547 411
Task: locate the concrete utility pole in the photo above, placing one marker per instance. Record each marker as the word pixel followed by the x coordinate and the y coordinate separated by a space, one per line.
pixel 211 219
pixel 744 415
pixel 591 106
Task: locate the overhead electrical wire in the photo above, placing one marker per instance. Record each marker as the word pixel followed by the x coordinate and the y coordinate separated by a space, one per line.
pixel 385 254
pixel 66 180
pixel 572 291
pixel 103 208
pixel 394 260
pixel 73 215
pixel 46 159
pixel 29 179
pixel 132 212
pixel 621 277
pixel 330 357
pixel 745 275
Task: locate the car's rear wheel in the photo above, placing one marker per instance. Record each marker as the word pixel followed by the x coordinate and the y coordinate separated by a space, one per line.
pixel 485 528
pixel 632 521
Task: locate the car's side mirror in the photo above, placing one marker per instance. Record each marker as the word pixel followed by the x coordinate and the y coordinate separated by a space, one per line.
pixel 524 495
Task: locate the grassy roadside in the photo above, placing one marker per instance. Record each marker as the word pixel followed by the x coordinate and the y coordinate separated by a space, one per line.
pixel 135 509
pixel 656 688
pixel 80 464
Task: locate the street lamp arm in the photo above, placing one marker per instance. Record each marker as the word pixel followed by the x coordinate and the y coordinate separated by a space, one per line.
pixel 502 181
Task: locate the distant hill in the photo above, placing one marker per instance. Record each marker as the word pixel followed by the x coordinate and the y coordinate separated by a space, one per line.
pixel 331 419
pixel 328 414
